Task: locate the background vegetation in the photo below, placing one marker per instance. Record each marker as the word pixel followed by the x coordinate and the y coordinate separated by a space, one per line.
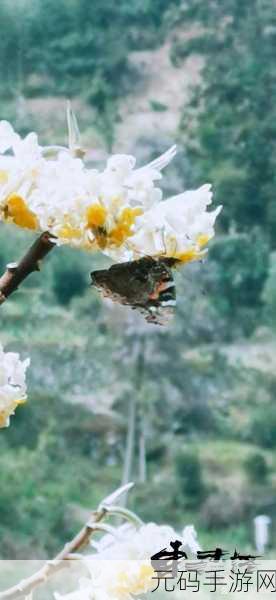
pixel 204 390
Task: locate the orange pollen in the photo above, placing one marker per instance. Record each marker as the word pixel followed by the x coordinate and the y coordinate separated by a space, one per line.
pixel 17 211
pixel 122 231
pixel 96 215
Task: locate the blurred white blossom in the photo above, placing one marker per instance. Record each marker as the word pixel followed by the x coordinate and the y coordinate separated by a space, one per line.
pixel 12 384
pixel 121 567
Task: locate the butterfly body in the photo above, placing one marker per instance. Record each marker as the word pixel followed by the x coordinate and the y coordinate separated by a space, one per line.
pixel 146 285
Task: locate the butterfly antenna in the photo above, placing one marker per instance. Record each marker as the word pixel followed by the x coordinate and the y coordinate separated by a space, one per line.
pixel 164 240
pixel 128 246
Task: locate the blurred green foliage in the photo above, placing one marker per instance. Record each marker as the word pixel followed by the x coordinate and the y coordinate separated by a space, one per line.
pixel 256 468
pixel 77 47
pixel 190 478
pixel 234 135
pixel 263 427
pixel 239 265
pixel 269 292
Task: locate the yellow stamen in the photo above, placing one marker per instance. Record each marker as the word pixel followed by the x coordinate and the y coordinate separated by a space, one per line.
pixel 3 177
pixel 68 232
pixel 144 579
pixel 202 240
pixel 5 414
pixel 3 419
pixel 17 211
pixel 101 238
pixel 126 585
pixel 188 255
pixel 96 215
pixel 96 219
pixel 122 231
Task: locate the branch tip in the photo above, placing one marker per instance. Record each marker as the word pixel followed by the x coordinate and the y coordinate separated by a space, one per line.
pixel 16 273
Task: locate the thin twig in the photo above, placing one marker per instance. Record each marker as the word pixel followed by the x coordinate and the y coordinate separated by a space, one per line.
pixel 70 550
pixel 16 272
pixel 25 587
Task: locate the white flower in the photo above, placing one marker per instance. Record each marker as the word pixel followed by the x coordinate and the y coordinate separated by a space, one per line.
pixel 7 136
pixel 51 189
pixel 178 228
pixel 121 165
pixel 12 384
pixel 142 189
pixel 118 211
pixel 189 539
pixel 127 558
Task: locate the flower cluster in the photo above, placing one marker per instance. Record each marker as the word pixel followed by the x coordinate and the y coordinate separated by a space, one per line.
pixel 121 567
pixel 12 384
pixel 118 210
pixel 178 228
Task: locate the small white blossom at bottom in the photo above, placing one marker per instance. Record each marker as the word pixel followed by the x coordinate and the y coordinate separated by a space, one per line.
pixel 12 384
pixel 121 568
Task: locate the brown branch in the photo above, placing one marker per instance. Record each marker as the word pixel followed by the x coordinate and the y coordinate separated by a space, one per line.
pixel 16 272
pixel 52 566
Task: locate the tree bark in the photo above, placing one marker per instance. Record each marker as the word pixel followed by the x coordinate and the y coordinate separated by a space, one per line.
pixel 142 453
pixel 130 441
pixel 16 272
pixel 138 357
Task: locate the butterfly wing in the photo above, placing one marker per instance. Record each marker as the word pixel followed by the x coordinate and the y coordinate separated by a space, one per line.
pixel 145 284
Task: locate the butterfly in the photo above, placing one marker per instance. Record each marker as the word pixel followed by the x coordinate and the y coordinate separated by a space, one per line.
pixel 145 284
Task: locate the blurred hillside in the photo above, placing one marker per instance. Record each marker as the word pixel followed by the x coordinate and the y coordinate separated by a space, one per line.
pixel 141 75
